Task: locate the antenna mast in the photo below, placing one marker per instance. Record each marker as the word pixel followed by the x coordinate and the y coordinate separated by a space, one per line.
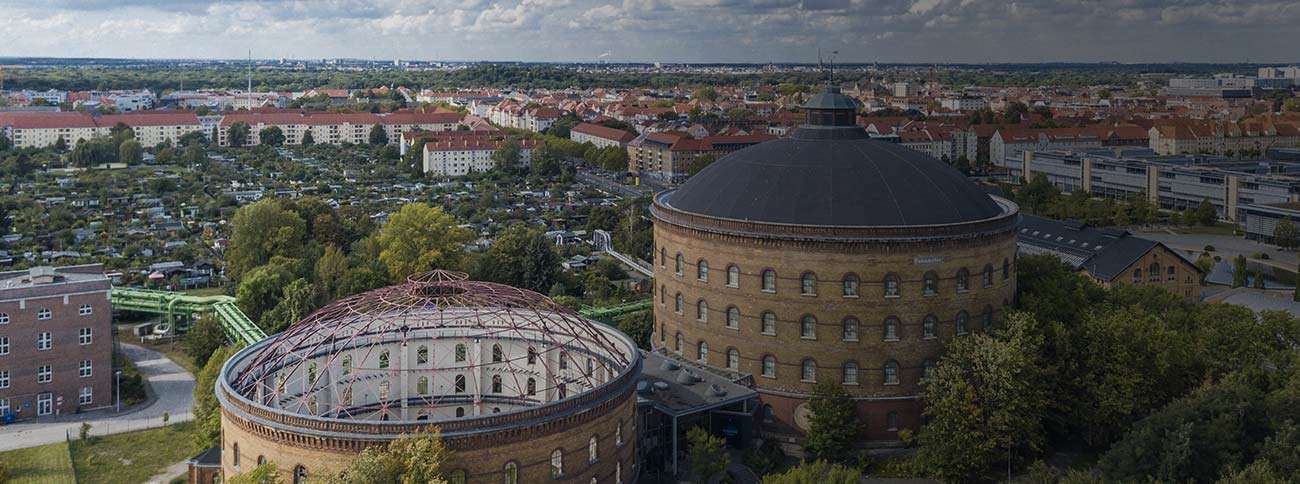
pixel 249 94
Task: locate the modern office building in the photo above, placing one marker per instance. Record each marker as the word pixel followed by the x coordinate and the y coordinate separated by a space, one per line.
pixel 56 341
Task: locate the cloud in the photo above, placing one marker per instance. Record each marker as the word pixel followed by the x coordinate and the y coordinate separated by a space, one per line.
pixel 670 30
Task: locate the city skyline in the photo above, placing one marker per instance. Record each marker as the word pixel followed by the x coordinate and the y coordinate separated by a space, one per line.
pixel 965 31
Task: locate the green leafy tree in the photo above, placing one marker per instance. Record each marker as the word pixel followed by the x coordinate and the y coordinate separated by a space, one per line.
pixel 207 413
pixel 130 152
pixel 261 290
pixel 819 472
pixel 61 144
pixel 1205 214
pixel 120 133
pixel 420 238
pixel 1240 273
pixel 410 459
pixel 298 300
pixel 271 136
pixel 705 94
pixel 6 144
pixel 238 133
pixel 708 454
pixel 639 326
pixel 204 339
pixel 985 399
pixel 378 136
pixel 262 232
pixel 331 271
pixel 308 139
pixel 832 424
pixel 521 257
pixel 1286 235
pixel 507 157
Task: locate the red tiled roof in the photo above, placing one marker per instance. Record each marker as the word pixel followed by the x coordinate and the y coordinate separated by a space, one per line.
pixel 152 118
pixel 46 120
pixel 604 132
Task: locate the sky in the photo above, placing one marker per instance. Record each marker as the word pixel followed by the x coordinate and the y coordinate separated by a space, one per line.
pixel 963 31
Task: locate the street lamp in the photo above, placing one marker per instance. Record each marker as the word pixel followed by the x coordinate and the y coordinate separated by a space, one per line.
pixel 118 375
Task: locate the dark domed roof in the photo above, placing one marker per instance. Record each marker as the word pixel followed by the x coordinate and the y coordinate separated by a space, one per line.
pixel 832 173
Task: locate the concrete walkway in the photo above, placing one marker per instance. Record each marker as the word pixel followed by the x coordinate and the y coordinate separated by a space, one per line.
pixel 171 472
pixel 172 387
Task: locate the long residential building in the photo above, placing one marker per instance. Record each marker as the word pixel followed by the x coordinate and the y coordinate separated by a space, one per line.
pixel 1170 182
pixel 601 136
pixel 667 156
pixel 459 153
pixel 336 128
pixel 41 129
pixel 1224 138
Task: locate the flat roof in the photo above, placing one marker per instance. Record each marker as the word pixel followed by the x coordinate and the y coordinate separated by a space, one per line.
pixel 678 387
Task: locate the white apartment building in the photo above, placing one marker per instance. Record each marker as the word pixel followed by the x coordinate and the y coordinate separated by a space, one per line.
pixel 963 103
pixel 40 129
pixel 462 155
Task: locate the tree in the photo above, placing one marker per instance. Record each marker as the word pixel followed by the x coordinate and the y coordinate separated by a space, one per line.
pixel 238 133
pixel 420 238
pixel 410 459
pixel 705 94
pixel 985 399
pixel 507 157
pixel 832 425
pixel 308 139
pixel 1286 235
pixel 5 143
pixel 203 339
pixel 639 326
pixel 130 152
pixel 261 289
pixel 331 270
pixel 708 453
pixel 120 133
pixel 819 472
pixel 1206 214
pixel 262 232
pixel 521 257
pixel 266 473
pixel 298 300
pixel 271 136
pixel 378 136
pixel 207 413
pixel 61 144
pixel 1240 273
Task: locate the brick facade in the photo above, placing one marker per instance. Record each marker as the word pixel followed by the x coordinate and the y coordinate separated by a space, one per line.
pixel 884 406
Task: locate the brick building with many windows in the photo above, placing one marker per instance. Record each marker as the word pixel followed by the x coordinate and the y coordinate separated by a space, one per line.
pixel 56 347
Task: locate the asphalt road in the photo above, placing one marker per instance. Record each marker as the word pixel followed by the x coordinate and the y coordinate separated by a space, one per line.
pixel 171 384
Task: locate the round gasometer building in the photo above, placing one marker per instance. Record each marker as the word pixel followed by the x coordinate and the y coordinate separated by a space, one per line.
pixel 829 256
pixel 523 389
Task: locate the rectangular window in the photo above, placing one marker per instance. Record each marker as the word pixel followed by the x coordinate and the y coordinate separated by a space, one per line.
pixel 84 369
pixel 4 406
pixel 43 314
pixel 44 341
pixel 84 397
pixel 4 345
pixel 44 374
pixel 85 310
pixel 84 336
pixel 4 379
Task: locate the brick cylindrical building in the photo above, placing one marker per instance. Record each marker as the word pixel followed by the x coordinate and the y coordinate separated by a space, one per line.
pixel 522 389
pixel 829 256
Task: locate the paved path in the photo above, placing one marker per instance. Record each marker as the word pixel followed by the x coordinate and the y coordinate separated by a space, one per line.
pixel 171 384
pixel 171 472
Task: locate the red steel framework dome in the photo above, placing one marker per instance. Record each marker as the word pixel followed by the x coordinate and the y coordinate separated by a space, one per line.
pixel 437 347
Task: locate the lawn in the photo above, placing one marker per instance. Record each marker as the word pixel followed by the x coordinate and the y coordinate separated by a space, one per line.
pixel 44 464
pixel 1217 229
pixel 133 456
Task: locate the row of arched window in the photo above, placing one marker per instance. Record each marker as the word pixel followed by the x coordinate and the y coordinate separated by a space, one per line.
pixel 850 327
pixel 850 284
pixel 850 371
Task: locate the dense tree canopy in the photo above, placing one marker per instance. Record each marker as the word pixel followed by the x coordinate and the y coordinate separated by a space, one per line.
pixel 421 238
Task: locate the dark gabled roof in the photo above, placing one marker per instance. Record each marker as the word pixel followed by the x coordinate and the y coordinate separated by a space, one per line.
pixel 208 458
pixel 1110 263
pixel 1104 252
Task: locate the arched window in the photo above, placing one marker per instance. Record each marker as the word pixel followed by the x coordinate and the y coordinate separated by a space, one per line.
pixel 850 332
pixel 702 270
pixel 733 317
pixel 963 280
pixel 962 318
pixel 1137 275
pixel 496 383
pixel 497 355
pixel 677 344
pixel 1006 269
pixel 261 459
pixel 591 367
pixel 618 472
pixel 769 280
pixel 891 372
pixel 460 383
pixel 618 433
pixel 678 267
pixel 891 329
pixel 769 323
pixel 312 405
pixel 422 385
pixel 1153 272
pixel 808 284
pixel 891 420
pixel 422 354
pixel 808 371
pixel 678 303
pixel 930 327
pixel 808 327
pixel 347 365
pixel 460 411
pixel 702 311
pixel 235 450
pixel 891 285
pixel 850 285
pixel 1173 274
pixel 311 374
pixel 927 368
pixel 931 283
pixel 383 360
pixel 532 355
pixel 850 373
pixel 769 366
pixel 987 276
pixel 299 475
pixel 591 449
pixel 532 387
pixel 733 359
pixel 512 473
pixel 733 276
pixel 557 463
pixel 460 353
pixel 564 360
pixel 663 257
pixel 702 352
pixel 768 413
pixel 986 319
pixel 663 294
